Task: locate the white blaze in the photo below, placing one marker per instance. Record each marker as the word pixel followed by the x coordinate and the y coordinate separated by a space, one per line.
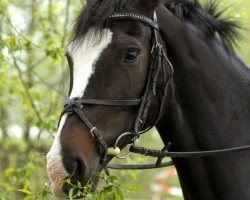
pixel 55 169
pixel 85 57
pixel 85 54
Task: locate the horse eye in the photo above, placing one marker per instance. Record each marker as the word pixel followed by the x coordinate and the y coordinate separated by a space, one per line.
pixel 131 55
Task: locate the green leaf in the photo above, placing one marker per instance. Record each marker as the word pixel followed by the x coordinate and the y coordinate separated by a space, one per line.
pixel 118 195
pixel 45 193
pixel 108 189
pixel 112 178
pixel 25 191
pixel 133 188
pixel 89 197
pixel 71 193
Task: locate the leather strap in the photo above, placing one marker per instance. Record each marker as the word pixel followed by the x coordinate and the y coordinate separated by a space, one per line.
pixel 108 102
pixel 147 166
pixel 195 154
pixel 74 106
pixel 165 153
pixel 136 17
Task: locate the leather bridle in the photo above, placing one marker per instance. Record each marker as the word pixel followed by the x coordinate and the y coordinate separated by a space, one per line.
pixel 158 61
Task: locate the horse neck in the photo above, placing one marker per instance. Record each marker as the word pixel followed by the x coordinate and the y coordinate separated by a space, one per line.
pixel 209 109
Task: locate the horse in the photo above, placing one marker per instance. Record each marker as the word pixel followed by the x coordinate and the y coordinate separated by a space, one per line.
pixel 121 61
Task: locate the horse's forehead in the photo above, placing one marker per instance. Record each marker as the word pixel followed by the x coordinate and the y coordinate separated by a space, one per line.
pixel 85 53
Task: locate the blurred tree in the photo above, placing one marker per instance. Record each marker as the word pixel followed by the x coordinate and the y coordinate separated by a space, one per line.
pixel 33 85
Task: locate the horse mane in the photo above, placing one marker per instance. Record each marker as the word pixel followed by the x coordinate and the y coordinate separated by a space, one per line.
pixel 209 18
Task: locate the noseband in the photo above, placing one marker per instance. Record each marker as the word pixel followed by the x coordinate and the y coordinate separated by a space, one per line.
pixel 158 60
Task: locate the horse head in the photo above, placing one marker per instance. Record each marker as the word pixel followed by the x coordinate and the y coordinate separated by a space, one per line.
pixel 118 88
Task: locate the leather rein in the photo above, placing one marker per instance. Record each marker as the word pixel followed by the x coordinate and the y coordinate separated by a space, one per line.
pixel 158 60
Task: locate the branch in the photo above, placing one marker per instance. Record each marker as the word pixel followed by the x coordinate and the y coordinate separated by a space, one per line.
pixel 26 88
pixel 35 64
pixel 50 86
pixel 66 22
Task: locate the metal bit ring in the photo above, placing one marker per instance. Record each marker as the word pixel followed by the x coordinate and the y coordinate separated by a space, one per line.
pixel 117 141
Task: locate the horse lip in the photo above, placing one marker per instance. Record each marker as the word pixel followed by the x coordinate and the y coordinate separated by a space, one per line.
pixel 56 174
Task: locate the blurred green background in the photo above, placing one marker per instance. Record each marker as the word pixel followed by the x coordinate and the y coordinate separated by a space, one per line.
pixel 34 83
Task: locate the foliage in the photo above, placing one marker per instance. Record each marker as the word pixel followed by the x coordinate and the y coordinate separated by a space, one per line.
pixel 112 190
pixel 34 83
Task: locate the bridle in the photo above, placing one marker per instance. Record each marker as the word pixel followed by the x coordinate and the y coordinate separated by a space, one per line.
pixel 157 62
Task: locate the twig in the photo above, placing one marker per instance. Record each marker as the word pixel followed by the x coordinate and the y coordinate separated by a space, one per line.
pixel 36 64
pixel 50 86
pixel 26 88
pixel 19 33
pixel 66 22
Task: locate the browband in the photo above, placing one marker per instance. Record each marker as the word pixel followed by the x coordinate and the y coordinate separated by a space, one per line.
pixel 137 17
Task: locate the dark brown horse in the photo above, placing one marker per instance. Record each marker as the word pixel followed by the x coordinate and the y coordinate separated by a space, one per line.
pixel 206 102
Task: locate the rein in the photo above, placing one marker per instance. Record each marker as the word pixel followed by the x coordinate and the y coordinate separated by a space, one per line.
pixel 158 59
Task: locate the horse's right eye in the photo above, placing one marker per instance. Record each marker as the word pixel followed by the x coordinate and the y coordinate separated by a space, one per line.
pixel 131 55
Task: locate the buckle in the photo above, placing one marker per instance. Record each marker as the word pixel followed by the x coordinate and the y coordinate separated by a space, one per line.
pixel 93 132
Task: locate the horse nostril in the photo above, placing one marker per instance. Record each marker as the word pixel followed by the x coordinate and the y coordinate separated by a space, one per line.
pixel 77 174
pixel 79 170
pixel 74 164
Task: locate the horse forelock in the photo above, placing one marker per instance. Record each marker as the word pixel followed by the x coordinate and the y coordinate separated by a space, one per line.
pixel 95 13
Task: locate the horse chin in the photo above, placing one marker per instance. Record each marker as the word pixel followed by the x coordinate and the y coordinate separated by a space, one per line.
pixel 96 183
pixel 100 185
